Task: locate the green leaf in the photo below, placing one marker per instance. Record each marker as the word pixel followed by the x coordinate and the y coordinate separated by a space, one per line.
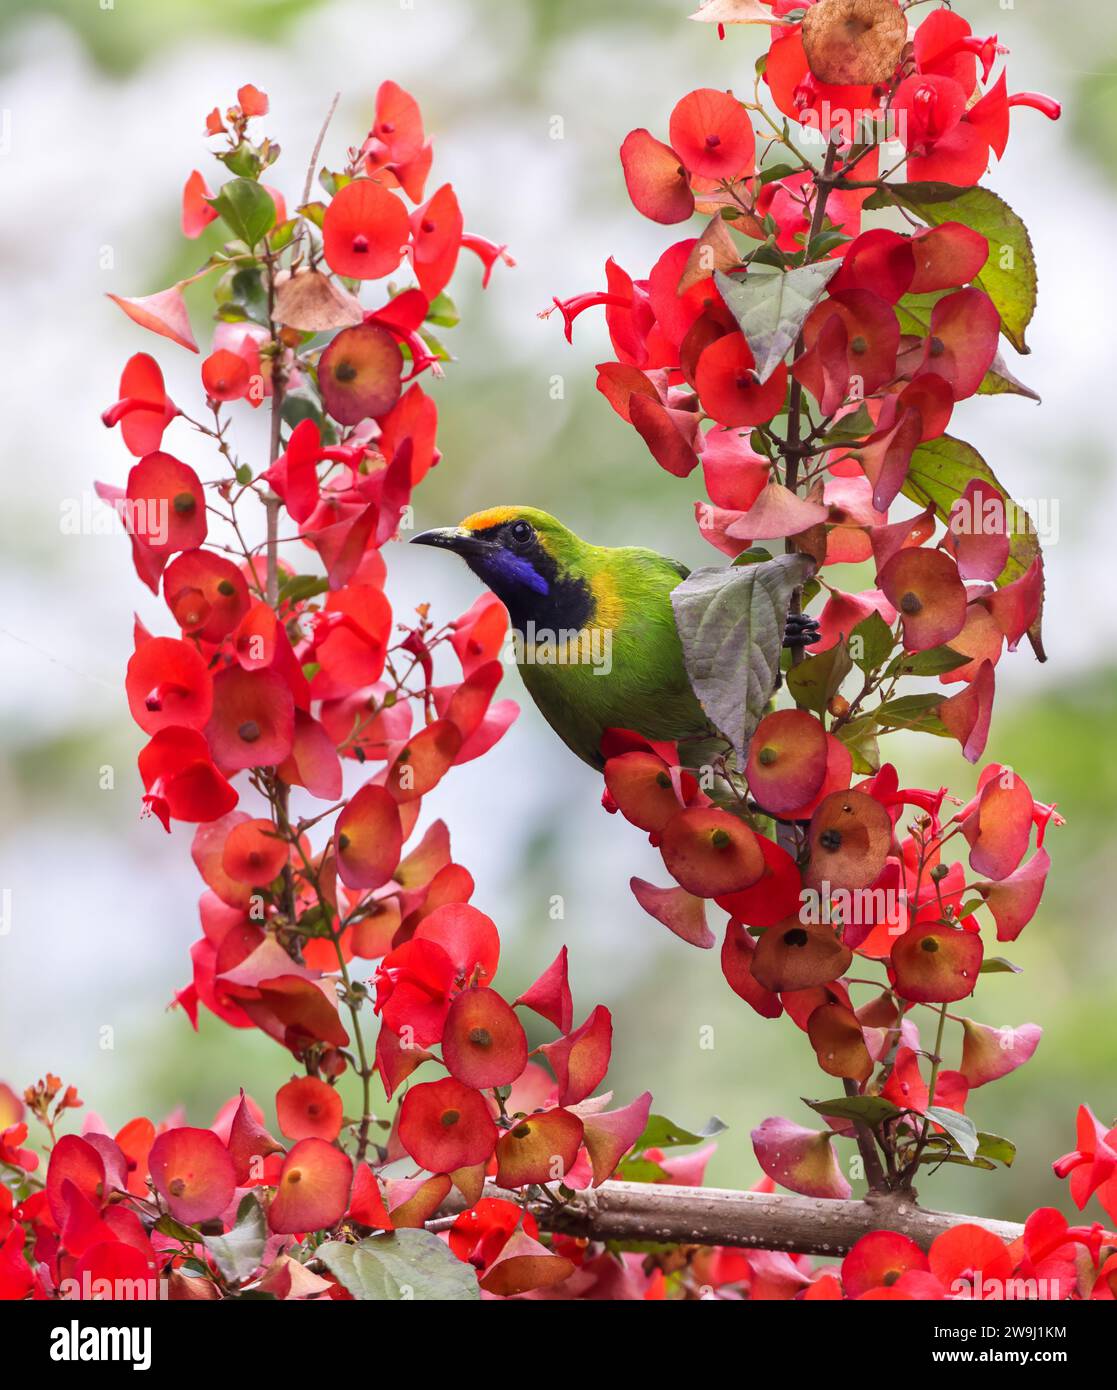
pixel 406 1264
pixel 770 306
pixel 662 1133
pixel 999 381
pixel 992 1146
pixel 860 738
pixel 871 643
pixel 753 555
pixel 299 406
pixel 731 623
pixel 642 1170
pixel 243 161
pixel 168 1226
pixel 776 171
pixel 913 712
pixel 815 680
pixel 933 662
pixel 870 1110
pixel 240 1251
pixel 244 292
pixel 443 311
pixel 1009 275
pixel 999 965
pixel 302 586
pixel 961 1128
pixel 247 210
pixel 850 429
pixel 936 1156
pixel 938 475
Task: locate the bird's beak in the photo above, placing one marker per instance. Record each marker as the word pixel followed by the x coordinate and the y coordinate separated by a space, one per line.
pixel 455 538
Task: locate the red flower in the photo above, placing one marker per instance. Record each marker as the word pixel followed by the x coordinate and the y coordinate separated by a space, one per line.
pixel 313 1189
pixel 712 134
pixel 657 182
pixel 197 213
pixel 444 1126
pixel 308 1108
pixel 180 780
pixel 193 1173
pixel 729 389
pixel 436 238
pixel 168 683
pixel 364 231
pixel 144 409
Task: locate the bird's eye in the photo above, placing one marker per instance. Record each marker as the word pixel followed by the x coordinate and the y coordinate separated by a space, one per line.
pixel 521 533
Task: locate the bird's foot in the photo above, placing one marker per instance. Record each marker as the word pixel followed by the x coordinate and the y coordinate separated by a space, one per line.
pixel 801 630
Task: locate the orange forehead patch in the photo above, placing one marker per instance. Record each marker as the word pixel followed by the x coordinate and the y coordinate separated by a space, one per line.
pixel 494 516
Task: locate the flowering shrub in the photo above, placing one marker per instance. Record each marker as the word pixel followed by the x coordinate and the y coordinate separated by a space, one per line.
pixel 811 368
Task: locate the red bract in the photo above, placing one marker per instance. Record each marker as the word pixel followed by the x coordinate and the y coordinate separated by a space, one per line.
pixel 180 780
pixel 936 964
pixel 679 911
pixel 364 231
pixel 656 180
pixel 166 505
pixel 787 760
pixel 359 373
pixel 206 593
pixel 879 1260
pixel 413 988
pixel 710 852
pixel 728 387
pixel 436 236
pixel 925 589
pixel 253 721
pixel 800 1159
pixel 581 1059
pixel 947 257
pixel 538 1149
pixel 168 683
pixel 225 375
pixel 255 852
pixel 444 1126
pixel 712 134
pixel 483 1044
pixel 144 410
pixel 163 313
pixel 193 1173
pixel 368 838
pixel 308 1108
pixel 963 340
pixel 469 938
pixel 313 1188
pixel 851 341
pixel 550 995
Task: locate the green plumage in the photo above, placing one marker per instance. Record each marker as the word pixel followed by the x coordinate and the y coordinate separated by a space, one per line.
pixel 629 670
pixel 642 683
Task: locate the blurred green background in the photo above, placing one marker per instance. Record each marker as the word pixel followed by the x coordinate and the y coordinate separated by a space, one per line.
pixel 101 111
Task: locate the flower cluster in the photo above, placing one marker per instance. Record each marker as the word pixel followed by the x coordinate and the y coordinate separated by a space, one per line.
pixel 811 367
pixel 323 911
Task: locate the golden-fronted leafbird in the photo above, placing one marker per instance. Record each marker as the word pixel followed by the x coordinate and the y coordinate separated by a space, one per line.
pixel 595 634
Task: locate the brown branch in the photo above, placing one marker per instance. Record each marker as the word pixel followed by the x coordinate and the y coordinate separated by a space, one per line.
pixel 636 1211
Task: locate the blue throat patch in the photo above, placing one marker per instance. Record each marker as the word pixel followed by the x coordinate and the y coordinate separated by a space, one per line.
pixel 515 569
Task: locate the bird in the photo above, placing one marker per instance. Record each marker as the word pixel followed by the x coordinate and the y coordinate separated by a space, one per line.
pixel 595 636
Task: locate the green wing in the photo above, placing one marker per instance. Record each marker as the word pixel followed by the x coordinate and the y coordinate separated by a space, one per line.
pixel 646 686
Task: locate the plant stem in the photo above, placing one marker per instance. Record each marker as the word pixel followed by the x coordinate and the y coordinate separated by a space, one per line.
pixel 791 448
pixel 925 1134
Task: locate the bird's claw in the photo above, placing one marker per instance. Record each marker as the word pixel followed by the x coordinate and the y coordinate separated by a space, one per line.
pixel 801 630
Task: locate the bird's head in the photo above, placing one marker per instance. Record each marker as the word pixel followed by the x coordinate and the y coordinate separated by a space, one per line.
pixel 540 570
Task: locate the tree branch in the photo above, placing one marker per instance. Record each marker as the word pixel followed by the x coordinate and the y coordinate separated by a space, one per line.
pixel 638 1211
